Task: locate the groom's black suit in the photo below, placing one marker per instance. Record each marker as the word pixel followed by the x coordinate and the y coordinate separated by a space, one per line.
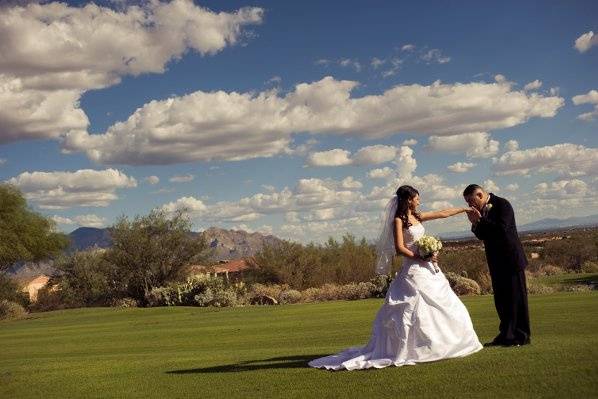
pixel 506 261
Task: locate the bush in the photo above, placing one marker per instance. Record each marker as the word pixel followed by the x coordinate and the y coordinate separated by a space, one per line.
pixel 534 287
pixel 304 266
pixel 10 290
pixel 380 285
pixel 463 285
pixel 549 270
pixel 86 279
pixel 11 310
pixel 124 303
pixel 589 267
pixel 200 290
pixel 484 281
pixel 289 296
pixel 47 299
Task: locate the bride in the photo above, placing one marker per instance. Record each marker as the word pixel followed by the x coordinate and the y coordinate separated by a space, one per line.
pixel 421 320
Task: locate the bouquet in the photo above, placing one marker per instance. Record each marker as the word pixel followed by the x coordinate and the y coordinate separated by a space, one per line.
pixel 427 246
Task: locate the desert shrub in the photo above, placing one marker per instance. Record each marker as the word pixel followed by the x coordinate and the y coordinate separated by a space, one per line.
pixel 200 290
pixel 353 291
pixel 550 270
pixel 484 280
pixel 47 299
pixel 589 267
pixel 10 291
pixel 572 252
pixel 124 303
pixel 462 285
pixel 289 296
pixel 578 288
pixel 11 310
pixel 380 285
pixel 313 265
pixel 535 287
pixel 468 261
pixel 310 295
pixel 270 290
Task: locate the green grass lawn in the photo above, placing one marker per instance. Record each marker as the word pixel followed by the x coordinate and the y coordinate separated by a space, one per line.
pixel 262 352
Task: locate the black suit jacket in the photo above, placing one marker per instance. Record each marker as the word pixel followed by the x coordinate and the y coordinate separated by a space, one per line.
pixel 498 230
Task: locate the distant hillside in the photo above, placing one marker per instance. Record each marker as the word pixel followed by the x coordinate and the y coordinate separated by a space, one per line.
pixel 227 244
pixel 235 244
pixel 539 225
pixel 89 237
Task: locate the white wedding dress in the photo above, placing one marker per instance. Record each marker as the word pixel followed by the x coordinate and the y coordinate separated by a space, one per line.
pixel 421 320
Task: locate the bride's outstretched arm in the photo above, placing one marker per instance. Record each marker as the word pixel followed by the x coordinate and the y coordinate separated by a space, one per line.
pixel 445 213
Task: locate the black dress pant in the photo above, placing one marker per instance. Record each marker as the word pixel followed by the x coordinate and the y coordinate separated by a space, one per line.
pixel 510 299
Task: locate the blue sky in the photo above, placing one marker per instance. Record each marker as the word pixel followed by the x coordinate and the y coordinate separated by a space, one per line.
pixel 298 119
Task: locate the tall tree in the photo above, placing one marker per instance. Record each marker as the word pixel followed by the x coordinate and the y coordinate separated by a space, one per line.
pixel 24 234
pixel 153 250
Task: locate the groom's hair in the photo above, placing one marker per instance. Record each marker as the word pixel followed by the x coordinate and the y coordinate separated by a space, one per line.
pixel 471 189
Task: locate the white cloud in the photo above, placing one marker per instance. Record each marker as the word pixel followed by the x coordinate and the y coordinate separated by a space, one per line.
pixel 512 187
pixel 562 189
pixel 181 178
pixel 586 41
pixel 188 204
pixel 511 145
pixel 274 80
pixel 307 195
pixel 474 145
pixel 535 85
pixel 53 53
pixel 350 183
pixel 335 157
pixel 490 185
pixel 370 155
pixel 460 167
pixel 90 220
pixel 395 64
pixel 590 97
pixel 62 220
pixel 374 154
pixel 2 161
pixel 235 126
pixel 408 47
pixel 405 163
pixel 377 62
pixel 152 180
pixel 410 142
pixel 435 56
pixel 565 159
pixel 350 63
pixel 86 187
pixel 381 173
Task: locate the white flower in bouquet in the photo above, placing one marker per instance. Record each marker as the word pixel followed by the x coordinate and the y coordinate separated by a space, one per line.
pixel 428 246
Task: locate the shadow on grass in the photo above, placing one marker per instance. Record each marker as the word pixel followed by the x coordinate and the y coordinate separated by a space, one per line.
pixel 284 362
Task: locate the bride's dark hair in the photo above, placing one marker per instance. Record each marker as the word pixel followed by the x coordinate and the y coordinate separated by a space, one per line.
pixel 404 194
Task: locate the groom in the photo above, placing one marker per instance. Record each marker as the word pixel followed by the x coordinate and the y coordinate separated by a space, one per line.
pixel 493 221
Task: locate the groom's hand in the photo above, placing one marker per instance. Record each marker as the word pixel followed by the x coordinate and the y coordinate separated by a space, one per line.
pixel 474 215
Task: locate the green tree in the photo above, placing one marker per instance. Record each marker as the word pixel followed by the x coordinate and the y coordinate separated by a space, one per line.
pixel 85 278
pixel 151 251
pixel 25 235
